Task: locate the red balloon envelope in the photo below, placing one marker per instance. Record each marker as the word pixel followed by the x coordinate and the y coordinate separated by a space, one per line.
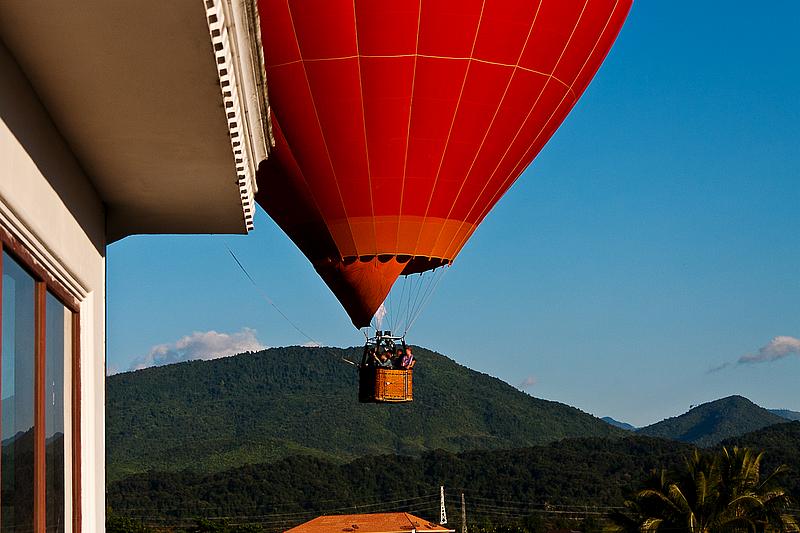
pixel 399 124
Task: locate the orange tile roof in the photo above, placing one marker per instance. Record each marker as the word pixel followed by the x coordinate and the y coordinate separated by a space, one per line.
pixel 369 523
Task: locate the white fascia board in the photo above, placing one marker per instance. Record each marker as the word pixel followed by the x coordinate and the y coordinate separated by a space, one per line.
pixel 236 38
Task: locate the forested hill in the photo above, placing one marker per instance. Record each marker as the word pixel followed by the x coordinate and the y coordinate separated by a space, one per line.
pixel 254 408
pixel 712 422
pixel 497 484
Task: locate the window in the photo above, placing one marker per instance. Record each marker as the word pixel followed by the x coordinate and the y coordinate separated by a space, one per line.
pixel 17 398
pixel 58 347
pixel 39 415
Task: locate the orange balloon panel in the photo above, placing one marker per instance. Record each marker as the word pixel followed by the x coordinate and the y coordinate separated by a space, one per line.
pixel 399 123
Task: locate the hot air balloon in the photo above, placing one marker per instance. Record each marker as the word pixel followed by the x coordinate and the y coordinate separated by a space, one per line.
pixel 400 123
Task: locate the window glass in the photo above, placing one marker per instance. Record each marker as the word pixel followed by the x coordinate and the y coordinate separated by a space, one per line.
pixel 58 348
pixel 16 392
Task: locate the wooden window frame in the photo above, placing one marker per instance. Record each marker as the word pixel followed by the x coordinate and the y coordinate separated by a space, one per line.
pixel 45 282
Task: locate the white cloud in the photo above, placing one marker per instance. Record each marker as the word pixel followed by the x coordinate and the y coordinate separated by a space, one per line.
pixel 778 348
pixel 527 383
pixel 200 345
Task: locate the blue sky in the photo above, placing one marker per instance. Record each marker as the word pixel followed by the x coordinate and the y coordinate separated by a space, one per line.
pixel 656 237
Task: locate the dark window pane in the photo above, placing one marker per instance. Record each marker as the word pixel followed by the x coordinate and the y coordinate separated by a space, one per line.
pixel 58 347
pixel 16 393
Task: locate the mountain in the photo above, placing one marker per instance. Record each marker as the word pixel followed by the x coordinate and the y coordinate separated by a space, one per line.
pixel 785 413
pixel 712 422
pixel 260 407
pixel 617 423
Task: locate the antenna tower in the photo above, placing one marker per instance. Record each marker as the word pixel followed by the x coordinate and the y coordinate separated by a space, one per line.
pixel 443 513
pixel 463 515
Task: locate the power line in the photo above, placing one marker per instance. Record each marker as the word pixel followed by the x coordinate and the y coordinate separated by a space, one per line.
pixel 333 510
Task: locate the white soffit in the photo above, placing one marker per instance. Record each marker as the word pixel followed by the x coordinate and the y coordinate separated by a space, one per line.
pixel 162 102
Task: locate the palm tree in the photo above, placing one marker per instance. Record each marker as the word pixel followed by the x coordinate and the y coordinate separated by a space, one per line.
pixel 723 492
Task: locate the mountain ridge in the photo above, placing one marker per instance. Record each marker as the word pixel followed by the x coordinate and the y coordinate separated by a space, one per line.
pixel 786 413
pixel 616 423
pixel 262 406
pixel 708 424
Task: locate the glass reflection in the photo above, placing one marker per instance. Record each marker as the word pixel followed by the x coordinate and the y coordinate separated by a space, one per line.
pixel 16 392
pixel 57 349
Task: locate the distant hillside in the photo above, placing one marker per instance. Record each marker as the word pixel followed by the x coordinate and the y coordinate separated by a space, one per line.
pixel 617 423
pixel 780 444
pixel 710 423
pixel 785 413
pixel 497 484
pixel 254 408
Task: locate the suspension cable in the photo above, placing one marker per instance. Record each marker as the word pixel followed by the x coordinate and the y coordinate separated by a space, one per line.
pixel 414 297
pixel 426 299
pixel 418 290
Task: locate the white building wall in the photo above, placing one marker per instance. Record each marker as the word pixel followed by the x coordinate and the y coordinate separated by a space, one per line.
pixel 49 204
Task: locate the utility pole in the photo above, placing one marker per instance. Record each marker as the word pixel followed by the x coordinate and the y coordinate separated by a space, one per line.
pixel 463 515
pixel 443 513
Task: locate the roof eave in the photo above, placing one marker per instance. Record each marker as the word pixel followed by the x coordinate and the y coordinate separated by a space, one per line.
pixel 163 104
pixel 236 37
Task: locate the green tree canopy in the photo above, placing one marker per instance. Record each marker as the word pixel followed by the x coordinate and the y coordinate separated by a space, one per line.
pixel 720 492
